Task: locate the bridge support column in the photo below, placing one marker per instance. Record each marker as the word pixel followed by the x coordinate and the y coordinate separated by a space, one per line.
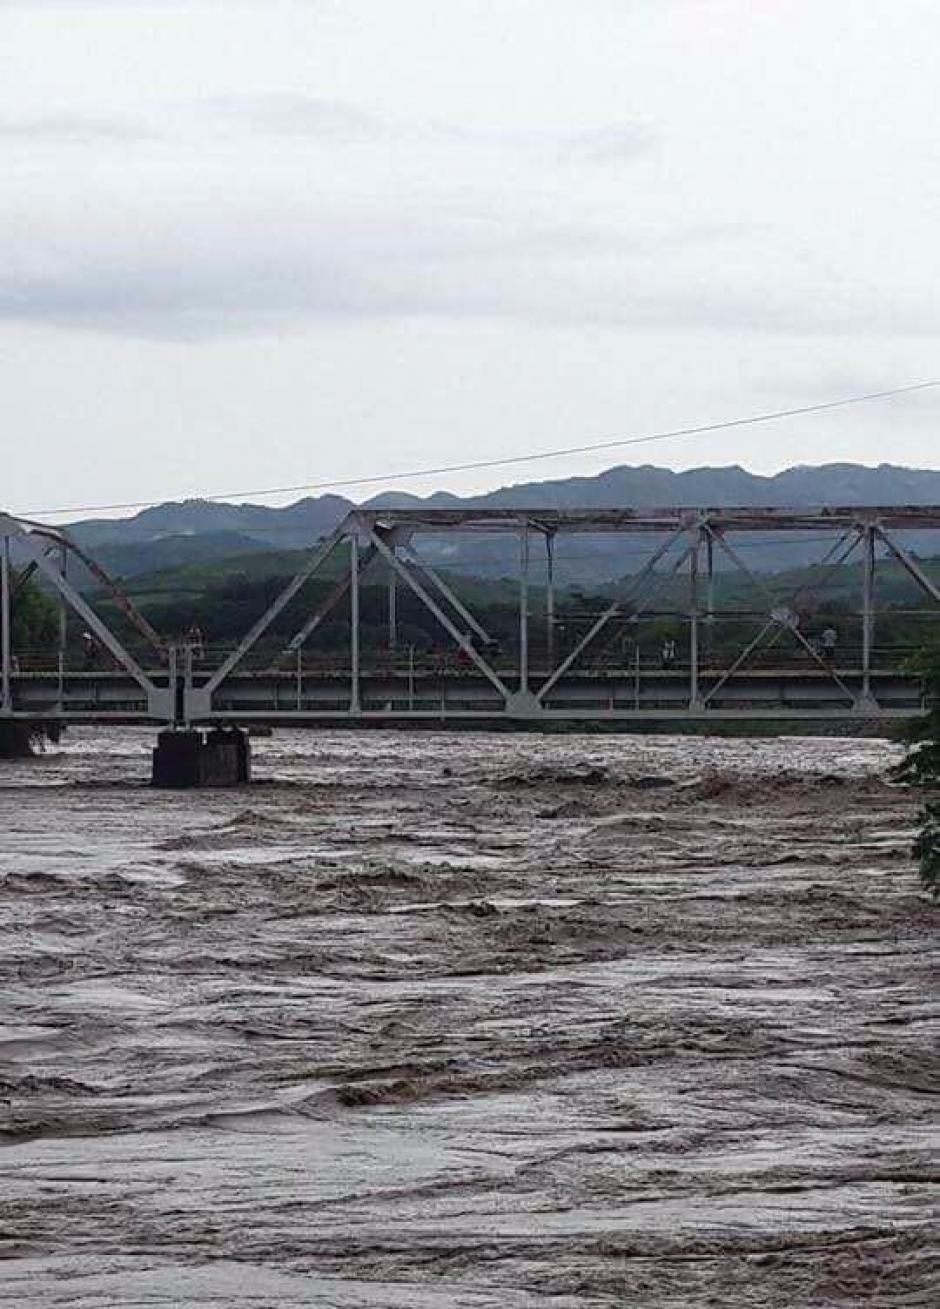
pixel 186 759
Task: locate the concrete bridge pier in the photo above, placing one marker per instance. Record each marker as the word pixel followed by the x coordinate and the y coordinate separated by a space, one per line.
pixel 186 758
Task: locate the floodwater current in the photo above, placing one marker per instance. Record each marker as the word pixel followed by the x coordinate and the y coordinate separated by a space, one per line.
pixel 430 1020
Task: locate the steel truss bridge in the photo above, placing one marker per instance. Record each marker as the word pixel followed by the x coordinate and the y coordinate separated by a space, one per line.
pixel 547 676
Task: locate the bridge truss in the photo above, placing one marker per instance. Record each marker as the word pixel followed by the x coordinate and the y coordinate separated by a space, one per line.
pixel 551 670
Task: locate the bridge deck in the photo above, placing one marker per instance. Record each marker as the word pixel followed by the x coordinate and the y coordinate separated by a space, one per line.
pixel 280 696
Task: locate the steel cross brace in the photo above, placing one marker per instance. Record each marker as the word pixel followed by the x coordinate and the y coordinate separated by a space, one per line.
pixel 124 602
pixel 780 615
pixel 908 562
pixel 461 638
pixel 775 614
pixel 63 542
pixel 26 574
pixel 267 618
pixel 424 572
pixel 614 608
pixel 326 606
pixel 157 698
pixel 428 574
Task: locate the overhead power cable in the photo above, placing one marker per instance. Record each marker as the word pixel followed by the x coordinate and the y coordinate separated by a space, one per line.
pixel 335 484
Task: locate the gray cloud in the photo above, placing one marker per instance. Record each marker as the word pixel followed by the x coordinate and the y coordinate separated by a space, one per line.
pixel 608 144
pixel 426 227
pixel 325 121
pixel 212 283
pixel 260 275
pixel 69 129
pixel 284 114
pixel 339 122
pixel 613 144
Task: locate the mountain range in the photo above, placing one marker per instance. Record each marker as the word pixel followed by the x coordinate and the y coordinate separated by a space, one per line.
pixel 183 532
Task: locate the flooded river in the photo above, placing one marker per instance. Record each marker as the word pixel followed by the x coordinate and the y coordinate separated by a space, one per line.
pixel 466 1020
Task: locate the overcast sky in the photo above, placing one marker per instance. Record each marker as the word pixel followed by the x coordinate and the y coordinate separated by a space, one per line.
pixel 251 243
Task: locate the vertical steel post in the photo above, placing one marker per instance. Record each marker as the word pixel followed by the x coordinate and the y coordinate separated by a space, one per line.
pixel 524 608
pixel 694 698
pixel 868 609
pixel 172 679
pixel 187 682
pixel 63 608
pixel 354 620
pixel 63 621
pixel 392 610
pixel 550 597
pixel 6 629
pixel 636 673
pixel 709 593
pixel 411 678
pixel 299 680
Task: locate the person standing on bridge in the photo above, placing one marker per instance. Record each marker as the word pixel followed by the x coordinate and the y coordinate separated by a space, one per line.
pixel 89 649
pixel 830 638
pixel 195 639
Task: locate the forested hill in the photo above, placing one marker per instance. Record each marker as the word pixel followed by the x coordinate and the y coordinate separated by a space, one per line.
pixel 191 531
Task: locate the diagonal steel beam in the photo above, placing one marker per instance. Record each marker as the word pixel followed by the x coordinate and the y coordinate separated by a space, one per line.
pixel 267 618
pixel 123 602
pixel 325 607
pixel 780 615
pixel 718 538
pixel 21 581
pixel 461 638
pixel 810 650
pixel 774 622
pixel 907 560
pixel 740 661
pixel 425 570
pixel 637 610
pixel 339 591
pixel 88 615
pixel 614 608
pixel 840 552
pixel 61 541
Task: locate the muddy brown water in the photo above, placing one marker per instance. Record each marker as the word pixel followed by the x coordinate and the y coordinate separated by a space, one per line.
pixel 466 1020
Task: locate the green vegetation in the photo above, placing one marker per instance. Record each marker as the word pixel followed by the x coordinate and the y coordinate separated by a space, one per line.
pixel 921 769
pixel 223 597
pixel 35 617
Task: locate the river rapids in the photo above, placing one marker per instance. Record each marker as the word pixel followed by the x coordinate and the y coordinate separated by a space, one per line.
pixel 431 1020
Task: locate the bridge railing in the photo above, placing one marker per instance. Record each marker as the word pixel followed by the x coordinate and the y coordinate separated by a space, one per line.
pixel 47 661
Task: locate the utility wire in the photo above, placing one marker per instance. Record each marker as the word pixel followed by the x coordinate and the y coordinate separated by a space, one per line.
pixel 474 465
